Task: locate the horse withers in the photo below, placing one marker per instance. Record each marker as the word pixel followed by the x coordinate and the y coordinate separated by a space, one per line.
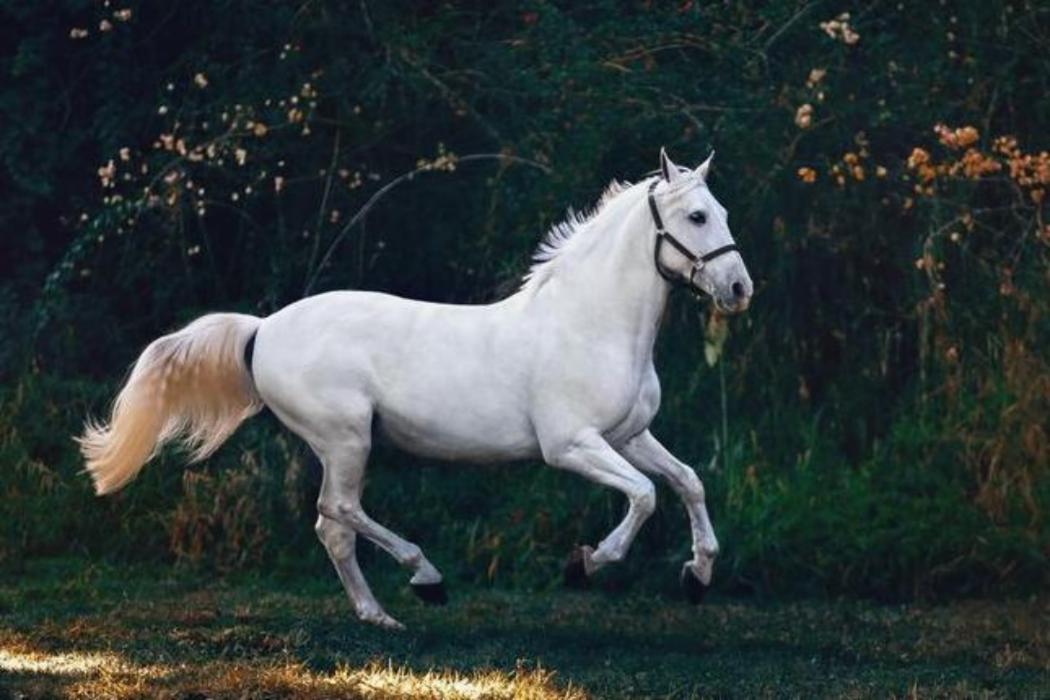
pixel 561 370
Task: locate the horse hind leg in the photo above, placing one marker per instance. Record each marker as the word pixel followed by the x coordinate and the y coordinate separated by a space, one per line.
pixel 340 542
pixel 340 501
pixel 426 580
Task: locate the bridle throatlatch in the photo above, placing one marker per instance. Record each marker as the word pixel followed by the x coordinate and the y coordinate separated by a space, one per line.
pixel 697 261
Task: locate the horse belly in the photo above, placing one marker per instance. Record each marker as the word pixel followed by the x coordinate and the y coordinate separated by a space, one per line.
pixel 459 428
pixel 456 401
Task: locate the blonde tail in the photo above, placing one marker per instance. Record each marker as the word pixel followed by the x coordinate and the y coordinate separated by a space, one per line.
pixel 191 385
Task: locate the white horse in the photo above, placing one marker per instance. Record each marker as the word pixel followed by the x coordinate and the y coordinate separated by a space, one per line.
pixel 562 369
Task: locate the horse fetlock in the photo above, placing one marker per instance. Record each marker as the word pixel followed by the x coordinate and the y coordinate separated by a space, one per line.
pixel 607 553
pixel 378 617
pixel 413 557
pixel 644 499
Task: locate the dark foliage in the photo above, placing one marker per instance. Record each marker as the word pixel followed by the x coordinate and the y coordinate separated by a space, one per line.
pixel 877 420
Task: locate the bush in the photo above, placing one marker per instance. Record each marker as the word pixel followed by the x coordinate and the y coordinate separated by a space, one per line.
pixel 883 427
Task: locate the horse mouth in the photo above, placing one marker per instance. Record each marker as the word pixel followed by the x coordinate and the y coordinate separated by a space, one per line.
pixel 734 306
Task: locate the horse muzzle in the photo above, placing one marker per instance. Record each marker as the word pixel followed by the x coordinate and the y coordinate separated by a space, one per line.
pixel 735 297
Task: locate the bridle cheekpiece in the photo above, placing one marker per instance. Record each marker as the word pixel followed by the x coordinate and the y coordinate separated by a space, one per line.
pixel 697 261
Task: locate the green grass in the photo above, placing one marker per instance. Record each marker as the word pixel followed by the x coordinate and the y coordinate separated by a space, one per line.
pixel 74 628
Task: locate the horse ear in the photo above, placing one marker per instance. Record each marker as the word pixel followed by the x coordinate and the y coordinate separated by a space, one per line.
pixel 668 170
pixel 705 166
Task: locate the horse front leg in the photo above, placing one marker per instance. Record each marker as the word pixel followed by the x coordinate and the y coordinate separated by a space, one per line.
pixel 590 456
pixel 646 453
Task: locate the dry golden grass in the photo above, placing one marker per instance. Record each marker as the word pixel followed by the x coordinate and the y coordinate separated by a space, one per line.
pixel 90 675
pixel 120 633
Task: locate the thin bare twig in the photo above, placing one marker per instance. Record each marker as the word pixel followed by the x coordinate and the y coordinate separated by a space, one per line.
pixel 787 25
pixel 324 199
pixel 451 96
pixel 382 191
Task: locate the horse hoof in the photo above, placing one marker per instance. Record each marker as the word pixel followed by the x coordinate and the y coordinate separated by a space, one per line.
pixel 693 586
pixel 431 593
pixel 575 573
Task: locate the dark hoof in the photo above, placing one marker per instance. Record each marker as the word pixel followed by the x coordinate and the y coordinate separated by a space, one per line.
pixel 431 593
pixel 575 574
pixel 694 588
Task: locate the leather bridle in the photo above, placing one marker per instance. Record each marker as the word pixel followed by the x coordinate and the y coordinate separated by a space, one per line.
pixel 697 261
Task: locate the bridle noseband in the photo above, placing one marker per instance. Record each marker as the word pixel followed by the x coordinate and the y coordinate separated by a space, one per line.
pixel 697 261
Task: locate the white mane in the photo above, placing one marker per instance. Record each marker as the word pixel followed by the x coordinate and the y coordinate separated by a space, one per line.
pixel 560 235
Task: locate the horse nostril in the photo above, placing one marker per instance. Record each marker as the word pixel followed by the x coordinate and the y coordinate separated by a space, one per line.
pixel 738 290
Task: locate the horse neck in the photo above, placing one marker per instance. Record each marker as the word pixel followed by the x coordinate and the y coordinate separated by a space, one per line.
pixel 612 282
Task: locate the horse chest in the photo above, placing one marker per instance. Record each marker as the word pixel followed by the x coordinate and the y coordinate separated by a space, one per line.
pixel 594 383
pixel 640 412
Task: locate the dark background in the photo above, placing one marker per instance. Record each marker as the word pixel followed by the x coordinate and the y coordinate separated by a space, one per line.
pixel 876 424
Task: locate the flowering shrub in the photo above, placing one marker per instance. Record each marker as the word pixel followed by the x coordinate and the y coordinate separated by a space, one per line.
pixel 161 160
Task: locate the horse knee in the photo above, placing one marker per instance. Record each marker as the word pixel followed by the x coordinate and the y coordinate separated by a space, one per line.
pixel 693 487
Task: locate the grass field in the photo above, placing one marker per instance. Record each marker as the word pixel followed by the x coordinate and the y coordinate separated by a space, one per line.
pixel 73 628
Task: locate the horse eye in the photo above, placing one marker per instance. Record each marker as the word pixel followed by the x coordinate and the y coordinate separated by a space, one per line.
pixel 698 217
